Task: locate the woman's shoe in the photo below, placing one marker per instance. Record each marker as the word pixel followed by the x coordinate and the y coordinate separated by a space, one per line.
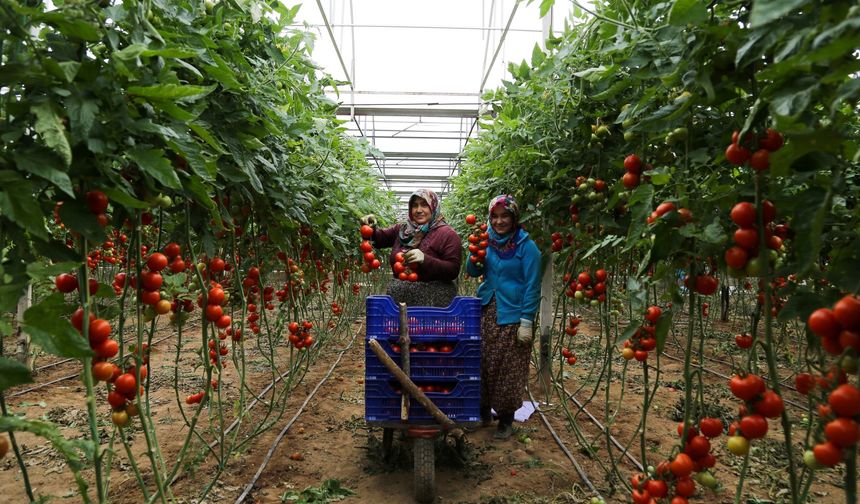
pixel 486 417
pixel 505 428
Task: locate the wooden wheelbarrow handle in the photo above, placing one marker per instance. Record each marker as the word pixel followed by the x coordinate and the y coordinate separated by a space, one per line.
pixel 414 391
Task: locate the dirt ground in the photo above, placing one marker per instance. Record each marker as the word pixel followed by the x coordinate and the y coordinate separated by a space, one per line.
pixel 331 440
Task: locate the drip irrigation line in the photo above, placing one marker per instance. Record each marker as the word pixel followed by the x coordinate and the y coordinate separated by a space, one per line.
pixel 602 427
pixel 286 428
pixel 560 443
pixel 725 377
pixel 63 378
pixel 728 364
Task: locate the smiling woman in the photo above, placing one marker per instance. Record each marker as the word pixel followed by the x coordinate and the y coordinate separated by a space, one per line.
pixel 425 253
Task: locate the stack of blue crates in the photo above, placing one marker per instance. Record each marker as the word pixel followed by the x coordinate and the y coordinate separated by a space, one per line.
pixel 446 360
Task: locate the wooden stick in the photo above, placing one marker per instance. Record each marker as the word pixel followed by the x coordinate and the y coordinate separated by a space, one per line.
pixel 405 343
pixel 411 389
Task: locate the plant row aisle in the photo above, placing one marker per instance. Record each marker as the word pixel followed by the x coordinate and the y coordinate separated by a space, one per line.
pixel 682 162
pixel 177 221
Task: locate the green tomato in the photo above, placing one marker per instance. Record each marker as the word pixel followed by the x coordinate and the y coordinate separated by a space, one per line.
pixel 849 364
pixel 738 445
pixel 594 302
pixel 579 296
pixel 148 315
pixel 592 196
pixel 590 181
pixel 754 266
pixel 201 267
pixel 576 199
pixel 602 131
pixel 629 136
pixel 706 479
pixel 164 201
pixel 679 134
pixel 209 4
pixel 582 188
pixel 810 461
pixel 594 138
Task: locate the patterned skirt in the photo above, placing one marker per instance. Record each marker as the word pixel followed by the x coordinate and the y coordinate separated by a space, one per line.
pixel 504 363
pixel 437 294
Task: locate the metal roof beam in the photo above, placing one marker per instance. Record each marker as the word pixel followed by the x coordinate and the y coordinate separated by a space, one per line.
pixel 407 112
pixel 421 155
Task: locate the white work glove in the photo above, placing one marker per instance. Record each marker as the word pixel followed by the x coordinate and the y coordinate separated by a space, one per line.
pixel 414 256
pixel 368 220
pixel 524 333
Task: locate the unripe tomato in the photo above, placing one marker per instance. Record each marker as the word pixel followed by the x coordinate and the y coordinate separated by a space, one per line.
pixel 120 418
pixel 738 445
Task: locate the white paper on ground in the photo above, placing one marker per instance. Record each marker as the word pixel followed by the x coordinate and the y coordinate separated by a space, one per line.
pixel 525 411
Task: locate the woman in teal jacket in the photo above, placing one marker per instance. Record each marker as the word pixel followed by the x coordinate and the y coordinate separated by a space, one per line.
pixel 510 295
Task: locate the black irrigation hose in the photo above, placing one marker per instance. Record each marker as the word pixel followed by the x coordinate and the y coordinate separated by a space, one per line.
pixel 63 378
pixel 729 364
pixel 286 428
pixel 560 443
pixel 602 427
pixel 725 377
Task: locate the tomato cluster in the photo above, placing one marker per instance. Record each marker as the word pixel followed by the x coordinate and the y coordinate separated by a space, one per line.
pixel 633 170
pixel 300 334
pixel 838 401
pixel 643 340
pixel 478 240
pixel 402 270
pixel 744 257
pixel 740 152
pixel 125 386
pixel 590 191
pixel 584 287
pixel 370 259
pixel 684 216
pixel 759 405
pixel 431 347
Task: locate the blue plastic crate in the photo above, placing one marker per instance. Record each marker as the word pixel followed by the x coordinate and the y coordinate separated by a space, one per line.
pixel 461 404
pixel 460 320
pixel 462 362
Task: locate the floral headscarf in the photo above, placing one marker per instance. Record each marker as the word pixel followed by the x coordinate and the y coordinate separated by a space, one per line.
pixel 505 245
pixel 411 233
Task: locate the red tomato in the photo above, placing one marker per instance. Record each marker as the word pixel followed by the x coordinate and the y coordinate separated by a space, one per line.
pixel 847 312
pixel 172 250
pixel 157 261
pixel 653 315
pixel 224 322
pixel 845 400
pixel 770 405
pixel 151 280
pixel 471 219
pixel 366 246
pixel 772 140
pixel 66 282
pixel 706 284
pixel 736 154
pixel 753 426
pixel 746 388
pixel 682 465
pixel 744 340
pixel 842 431
pixel 630 180
pixel 99 331
pixel 804 383
pixel 125 384
pixel 760 160
pixel 215 296
pixel 103 371
pixel 823 323
pixel 97 202
pixel 217 265
pixel 711 427
pixel 827 454
pixel 633 164
pixel 366 232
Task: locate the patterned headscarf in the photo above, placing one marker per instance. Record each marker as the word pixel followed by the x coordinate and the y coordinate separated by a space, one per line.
pixel 411 233
pixel 505 245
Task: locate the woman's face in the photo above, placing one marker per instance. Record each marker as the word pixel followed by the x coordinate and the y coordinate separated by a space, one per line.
pixel 501 220
pixel 419 211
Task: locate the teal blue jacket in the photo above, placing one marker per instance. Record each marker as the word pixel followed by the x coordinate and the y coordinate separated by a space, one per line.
pixel 514 282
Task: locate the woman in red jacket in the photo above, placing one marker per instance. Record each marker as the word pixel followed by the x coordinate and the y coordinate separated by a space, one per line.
pixel 430 247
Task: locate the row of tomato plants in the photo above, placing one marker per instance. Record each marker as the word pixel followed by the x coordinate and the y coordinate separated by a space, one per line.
pixel 673 147
pixel 136 140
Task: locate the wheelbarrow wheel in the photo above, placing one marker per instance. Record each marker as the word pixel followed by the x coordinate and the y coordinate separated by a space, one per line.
pixel 387 442
pixel 425 470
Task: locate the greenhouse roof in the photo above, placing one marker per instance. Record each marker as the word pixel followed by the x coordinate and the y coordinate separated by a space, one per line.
pixel 414 72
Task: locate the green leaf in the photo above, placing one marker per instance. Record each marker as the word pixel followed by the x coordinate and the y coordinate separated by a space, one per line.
pixel 13 373
pixel 800 305
pixel 153 163
pixel 663 326
pixel 75 215
pixel 46 165
pixel 66 70
pixel 78 453
pixel 791 101
pixel 47 325
pixel 50 127
pixel 82 114
pixel 714 233
pixel 629 331
pixel 686 12
pixel 39 271
pixel 768 11
pixel 18 204
pixel 74 28
pixel 171 91
pixel 117 195
pixel 811 208
pixel 545 6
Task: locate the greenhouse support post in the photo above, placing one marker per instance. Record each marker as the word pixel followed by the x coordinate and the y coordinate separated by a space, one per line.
pixel 546 319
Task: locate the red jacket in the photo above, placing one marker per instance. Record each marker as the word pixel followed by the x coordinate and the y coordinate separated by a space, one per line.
pixel 443 252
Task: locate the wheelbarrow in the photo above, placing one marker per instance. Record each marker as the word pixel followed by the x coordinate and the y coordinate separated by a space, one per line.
pixel 423 434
